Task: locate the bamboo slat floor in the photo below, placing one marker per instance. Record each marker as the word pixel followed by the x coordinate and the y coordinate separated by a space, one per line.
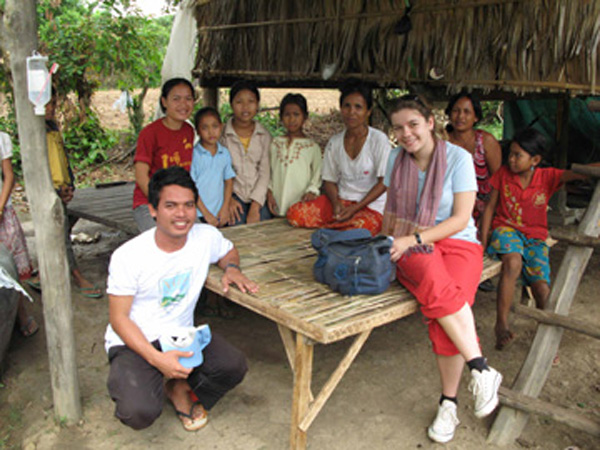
pixel 110 206
pixel 280 259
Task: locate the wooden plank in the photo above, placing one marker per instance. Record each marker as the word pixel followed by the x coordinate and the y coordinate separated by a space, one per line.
pixel 592 171
pixel 334 380
pixel 532 376
pixel 300 400
pixel 545 409
pixel 550 318
pixel 572 238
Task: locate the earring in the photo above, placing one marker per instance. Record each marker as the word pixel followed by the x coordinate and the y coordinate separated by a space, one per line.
pixel 532 168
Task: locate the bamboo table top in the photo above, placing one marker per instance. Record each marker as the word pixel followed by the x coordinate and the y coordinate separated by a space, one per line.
pixel 280 259
pixel 110 206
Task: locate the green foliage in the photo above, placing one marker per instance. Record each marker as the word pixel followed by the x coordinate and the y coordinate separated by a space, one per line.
pixel 271 122
pixel 87 143
pixel 494 128
pixel 491 122
pixel 91 40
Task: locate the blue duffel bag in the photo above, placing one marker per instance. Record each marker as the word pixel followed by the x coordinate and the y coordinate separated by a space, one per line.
pixel 352 262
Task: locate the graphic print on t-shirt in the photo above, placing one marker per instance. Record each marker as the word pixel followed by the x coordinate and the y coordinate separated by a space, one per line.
pixel 174 288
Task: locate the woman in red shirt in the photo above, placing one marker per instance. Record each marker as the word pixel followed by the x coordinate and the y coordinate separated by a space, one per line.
pixel 165 142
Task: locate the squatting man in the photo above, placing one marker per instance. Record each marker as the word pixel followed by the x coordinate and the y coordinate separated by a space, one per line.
pixel 153 285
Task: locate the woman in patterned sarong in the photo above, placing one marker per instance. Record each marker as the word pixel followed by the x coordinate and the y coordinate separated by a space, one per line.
pixel 353 170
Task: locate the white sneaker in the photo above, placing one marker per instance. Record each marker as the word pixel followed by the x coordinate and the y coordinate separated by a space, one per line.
pixel 484 386
pixel 444 424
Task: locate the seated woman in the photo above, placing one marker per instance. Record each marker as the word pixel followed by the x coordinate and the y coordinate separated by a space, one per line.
pixel 353 171
pixel 438 259
pixel 464 111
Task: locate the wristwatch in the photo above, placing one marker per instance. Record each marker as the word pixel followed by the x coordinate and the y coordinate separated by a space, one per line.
pixel 235 266
pixel 418 238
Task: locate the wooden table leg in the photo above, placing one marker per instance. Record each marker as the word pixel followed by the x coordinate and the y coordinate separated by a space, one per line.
pixel 287 337
pixel 301 397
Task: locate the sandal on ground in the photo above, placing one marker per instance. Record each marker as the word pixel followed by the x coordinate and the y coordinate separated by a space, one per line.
pixel 29 328
pixel 505 339
pixel 91 292
pixel 34 284
pixel 189 421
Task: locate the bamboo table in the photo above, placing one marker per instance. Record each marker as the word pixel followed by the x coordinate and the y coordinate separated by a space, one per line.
pixel 280 259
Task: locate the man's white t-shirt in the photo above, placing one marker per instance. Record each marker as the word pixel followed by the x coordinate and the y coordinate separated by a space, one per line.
pixel 356 177
pixel 164 286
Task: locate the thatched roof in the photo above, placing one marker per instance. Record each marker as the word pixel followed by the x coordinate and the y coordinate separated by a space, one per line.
pixel 518 46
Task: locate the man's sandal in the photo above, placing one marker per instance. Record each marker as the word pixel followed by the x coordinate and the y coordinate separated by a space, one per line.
pixel 191 423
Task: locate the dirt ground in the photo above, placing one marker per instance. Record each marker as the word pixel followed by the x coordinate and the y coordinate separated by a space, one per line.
pixel 386 400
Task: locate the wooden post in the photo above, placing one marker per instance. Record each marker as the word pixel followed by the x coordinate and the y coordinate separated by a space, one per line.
pixel 210 96
pixel 48 218
pixel 559 200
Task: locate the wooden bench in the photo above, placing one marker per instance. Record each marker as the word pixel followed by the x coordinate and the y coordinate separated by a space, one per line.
pixel 280 258
pixel 109 205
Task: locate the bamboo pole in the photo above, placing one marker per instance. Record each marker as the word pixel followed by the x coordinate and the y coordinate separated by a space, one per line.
pixel 592 171
pixel 391 80
pixel 48 217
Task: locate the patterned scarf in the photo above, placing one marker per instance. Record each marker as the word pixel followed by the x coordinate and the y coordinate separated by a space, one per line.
pixel 401 217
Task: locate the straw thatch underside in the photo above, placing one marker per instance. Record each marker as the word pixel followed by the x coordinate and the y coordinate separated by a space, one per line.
pixel 516 45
